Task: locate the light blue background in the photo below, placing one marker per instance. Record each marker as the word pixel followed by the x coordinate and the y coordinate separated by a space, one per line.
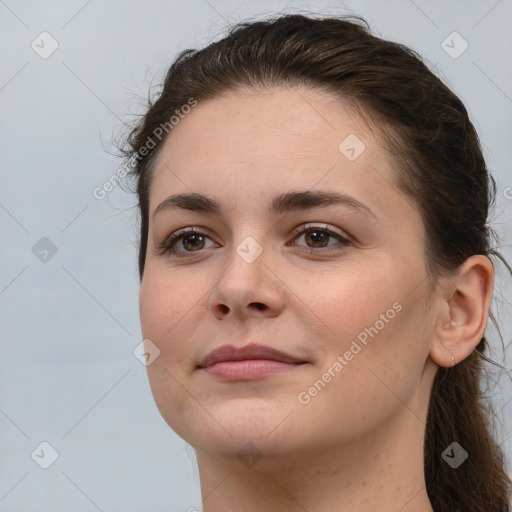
pixel 68 327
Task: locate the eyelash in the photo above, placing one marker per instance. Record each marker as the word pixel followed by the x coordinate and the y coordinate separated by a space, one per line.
pixel 170 242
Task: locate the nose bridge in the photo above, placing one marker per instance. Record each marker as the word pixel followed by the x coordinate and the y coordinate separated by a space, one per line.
pixel 246 261
pixel 250 239
pixel 250 249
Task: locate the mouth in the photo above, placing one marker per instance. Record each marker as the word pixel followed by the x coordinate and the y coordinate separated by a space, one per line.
pixel 249 369
pixel 248 363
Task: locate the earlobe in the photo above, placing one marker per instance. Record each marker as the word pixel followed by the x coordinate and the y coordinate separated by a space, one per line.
pixel 462 311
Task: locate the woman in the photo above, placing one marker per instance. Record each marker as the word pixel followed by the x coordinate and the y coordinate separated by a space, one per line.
pixel 316 275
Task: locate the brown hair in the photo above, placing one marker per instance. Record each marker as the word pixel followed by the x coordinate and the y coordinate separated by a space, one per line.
pixel 439 164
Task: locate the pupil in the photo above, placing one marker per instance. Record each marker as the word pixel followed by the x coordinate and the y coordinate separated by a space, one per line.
pixel 188 238
pixel 317 236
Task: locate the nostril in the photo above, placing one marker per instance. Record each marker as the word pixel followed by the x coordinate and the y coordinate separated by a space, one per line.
pixel 259 305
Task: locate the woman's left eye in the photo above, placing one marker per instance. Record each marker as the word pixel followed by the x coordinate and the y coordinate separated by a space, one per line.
pixel 193 239
pixel 319 236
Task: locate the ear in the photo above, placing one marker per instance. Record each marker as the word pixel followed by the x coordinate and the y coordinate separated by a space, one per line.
pixel 461 311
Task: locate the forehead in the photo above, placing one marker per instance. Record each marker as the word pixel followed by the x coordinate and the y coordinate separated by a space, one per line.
pixel 262 122
pixel 250 144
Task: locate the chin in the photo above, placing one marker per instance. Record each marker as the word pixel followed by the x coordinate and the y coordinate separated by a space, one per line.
pixel 230 426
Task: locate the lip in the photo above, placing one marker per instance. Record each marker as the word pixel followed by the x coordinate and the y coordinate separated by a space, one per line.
pixel 253 351
pixel 249 369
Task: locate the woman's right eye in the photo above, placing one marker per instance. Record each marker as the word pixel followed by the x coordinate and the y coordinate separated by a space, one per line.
pixel 191 239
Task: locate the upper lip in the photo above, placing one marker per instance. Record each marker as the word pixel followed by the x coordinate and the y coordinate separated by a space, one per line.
pixel 251 351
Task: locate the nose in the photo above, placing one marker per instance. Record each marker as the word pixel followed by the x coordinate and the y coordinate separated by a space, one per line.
pixel 248 287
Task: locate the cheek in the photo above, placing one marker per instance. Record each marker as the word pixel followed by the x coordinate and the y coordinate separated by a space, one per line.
pixel 352 300
pixel 164 301
pixel 374 378
pixel 380 327
pixel 169 308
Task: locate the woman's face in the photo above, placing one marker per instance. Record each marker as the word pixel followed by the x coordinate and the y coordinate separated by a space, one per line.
pixel 341 287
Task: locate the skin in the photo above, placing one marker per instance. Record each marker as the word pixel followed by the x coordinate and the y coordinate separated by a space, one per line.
pixel 357 445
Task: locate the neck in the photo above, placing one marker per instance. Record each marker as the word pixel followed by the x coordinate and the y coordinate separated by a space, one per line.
pixel 374 472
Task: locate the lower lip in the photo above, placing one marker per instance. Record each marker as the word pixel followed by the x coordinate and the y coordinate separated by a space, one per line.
pixel 248 369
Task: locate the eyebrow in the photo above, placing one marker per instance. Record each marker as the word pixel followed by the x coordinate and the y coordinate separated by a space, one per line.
pixel 286 202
